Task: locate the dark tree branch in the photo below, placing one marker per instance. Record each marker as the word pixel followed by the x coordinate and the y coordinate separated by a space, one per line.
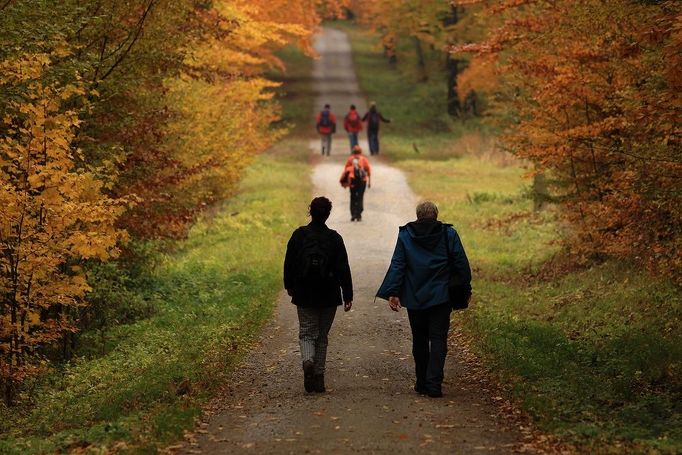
pixel 138 32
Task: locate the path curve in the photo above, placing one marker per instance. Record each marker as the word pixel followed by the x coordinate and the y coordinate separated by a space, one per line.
pixel 370 406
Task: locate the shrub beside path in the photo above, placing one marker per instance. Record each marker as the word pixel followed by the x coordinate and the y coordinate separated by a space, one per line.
pixel 370 406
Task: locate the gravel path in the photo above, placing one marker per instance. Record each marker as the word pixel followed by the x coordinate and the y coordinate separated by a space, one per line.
pixel 370 406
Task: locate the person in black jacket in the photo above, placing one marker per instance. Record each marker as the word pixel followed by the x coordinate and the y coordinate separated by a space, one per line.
pixel 317 277
pixel 373 118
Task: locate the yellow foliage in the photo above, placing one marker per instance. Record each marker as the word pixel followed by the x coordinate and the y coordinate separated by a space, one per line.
pixel 51 213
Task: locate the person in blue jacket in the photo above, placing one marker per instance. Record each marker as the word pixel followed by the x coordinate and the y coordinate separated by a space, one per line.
pixel 426 254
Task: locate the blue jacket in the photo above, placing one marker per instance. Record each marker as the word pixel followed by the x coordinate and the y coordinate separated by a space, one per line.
pixel 419 270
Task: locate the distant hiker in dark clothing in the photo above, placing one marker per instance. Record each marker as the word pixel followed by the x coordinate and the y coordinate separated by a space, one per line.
pixel 317 277
pixel 326 126
pixel 373 118
pixel 357 176
pixel 427 253
pixel 352 123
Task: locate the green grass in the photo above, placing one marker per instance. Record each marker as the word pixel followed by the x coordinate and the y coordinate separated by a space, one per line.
pixel 210 297
pixel 594 355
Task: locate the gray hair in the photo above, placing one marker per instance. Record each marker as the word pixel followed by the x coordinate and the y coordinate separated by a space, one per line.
pixel 427 209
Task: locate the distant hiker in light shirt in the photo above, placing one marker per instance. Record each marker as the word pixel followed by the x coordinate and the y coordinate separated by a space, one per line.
pixel 352 123
pixel 326 126
pixel 317 277
pixel 373 118
pixel 357 176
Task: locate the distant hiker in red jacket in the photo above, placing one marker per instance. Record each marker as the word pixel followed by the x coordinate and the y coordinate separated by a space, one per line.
pixel 353 125
pixel 326 126
pixel 356 175
pixel 373 118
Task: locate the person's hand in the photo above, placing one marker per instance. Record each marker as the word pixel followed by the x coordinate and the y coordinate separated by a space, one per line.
pixel 347 306
pixel 394 303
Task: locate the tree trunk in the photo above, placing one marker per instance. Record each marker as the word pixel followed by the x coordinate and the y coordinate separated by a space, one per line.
pixel 540 192
pixel 454 106
pixel 452 68
pixel 7 392
pixel 422 76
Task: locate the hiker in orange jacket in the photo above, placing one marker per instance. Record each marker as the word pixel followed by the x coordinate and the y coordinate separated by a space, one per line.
pixel 357 176
pixel 326 126
pixel 363 161
pixel 352 123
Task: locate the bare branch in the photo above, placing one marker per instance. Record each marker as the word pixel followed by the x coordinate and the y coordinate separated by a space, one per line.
pixel 138 32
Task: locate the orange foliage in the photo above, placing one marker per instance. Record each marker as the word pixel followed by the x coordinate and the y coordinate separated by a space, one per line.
pixel 159 103
pixel 593 88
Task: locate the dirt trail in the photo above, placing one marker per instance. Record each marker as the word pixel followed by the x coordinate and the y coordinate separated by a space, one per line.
pixel 370 406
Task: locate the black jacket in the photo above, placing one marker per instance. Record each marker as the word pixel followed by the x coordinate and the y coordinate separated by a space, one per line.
pixel 324 293
pixel 374 122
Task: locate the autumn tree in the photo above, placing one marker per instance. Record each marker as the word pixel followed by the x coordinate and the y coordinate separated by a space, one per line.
pixel 591 93
pixel 156 103
pixel 423 32
pixel 53 215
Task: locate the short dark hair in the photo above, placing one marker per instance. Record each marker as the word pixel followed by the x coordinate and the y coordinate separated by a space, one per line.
pixel 352 106
pixel 327 106
pixel 320 208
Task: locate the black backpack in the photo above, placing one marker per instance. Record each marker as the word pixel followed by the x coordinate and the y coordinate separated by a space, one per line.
pixel 314 259
pixel 325 120
pixel 459 292
pixel 359 174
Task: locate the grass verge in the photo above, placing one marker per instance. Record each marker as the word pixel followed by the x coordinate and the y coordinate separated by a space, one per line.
pixel 210 297
pixel 593 355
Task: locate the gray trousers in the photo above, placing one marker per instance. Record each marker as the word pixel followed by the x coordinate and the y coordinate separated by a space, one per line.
pixel 314 325
pixel 326 143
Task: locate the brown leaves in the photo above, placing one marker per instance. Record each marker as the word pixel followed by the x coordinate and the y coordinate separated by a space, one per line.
pixel 591 91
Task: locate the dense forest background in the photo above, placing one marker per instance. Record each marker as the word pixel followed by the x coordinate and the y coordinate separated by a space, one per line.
pixel 124 125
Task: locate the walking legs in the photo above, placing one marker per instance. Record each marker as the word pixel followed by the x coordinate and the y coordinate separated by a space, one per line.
pixel 357 195
pixel 313 335
pixel 326 143
pixel 373 139
pixel 353 139
pixel 430 346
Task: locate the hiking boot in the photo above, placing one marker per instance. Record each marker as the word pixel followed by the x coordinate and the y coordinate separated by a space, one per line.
pixel 435 393
pixel 420 389
pixel 318 383
pixel 309 376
